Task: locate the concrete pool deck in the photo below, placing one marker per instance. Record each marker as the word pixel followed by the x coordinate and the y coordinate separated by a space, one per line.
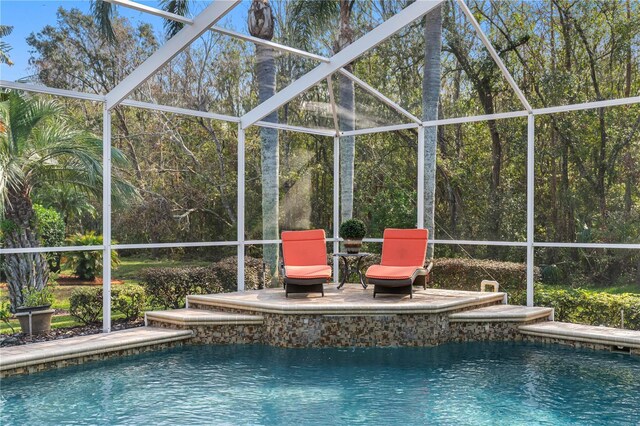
pixel 350 317
pixel 40 356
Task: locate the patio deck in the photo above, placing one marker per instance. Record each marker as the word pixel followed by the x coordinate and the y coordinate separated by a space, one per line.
pixel 352 299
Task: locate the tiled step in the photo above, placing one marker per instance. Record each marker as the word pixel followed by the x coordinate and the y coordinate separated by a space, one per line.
pixel 502 313
pixel 94 344
pixel 584 333
pixel 188 316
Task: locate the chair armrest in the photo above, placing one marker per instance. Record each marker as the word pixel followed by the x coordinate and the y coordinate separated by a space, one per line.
pixel 429 267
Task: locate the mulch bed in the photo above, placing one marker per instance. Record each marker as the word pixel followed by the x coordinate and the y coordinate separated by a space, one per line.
pixel 64 333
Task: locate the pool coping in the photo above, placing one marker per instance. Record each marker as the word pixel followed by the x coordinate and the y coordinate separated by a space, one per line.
pixel 293 306
pixel 15 357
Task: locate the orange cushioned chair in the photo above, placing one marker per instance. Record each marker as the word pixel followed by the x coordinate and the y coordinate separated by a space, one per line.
pixel 402 264
pixel 304 261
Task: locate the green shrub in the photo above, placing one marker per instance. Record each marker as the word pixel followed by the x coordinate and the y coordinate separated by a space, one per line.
pixel 85 304
pixel 5 314
pixel 353 229
pixel 129 300
pixel 50 228
pixel 169 287
pixel 87 264
pixel 466 274
pixel 588 307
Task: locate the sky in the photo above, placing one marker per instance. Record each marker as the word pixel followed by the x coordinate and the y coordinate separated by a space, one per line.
pixel 28 16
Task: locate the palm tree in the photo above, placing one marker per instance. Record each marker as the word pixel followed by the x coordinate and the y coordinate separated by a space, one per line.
pixel 39 147
pixel 312 18
pixel 430 99
pixel 261 24
pixel 5 30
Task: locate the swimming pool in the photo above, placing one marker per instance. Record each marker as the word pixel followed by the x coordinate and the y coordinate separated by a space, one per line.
pixel 471 383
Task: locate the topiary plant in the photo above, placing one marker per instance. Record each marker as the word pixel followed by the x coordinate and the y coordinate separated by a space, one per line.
pixel 353 229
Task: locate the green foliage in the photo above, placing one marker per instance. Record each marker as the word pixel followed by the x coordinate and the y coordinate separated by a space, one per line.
pixel 87 264
pixel 588 307
pixel 49 225
pixel 129 299
pixel 50 229
pixel 33 297
pixel 550 274
pixel 169 287
pixel 466 274
pixel 5 314
pixel 353 229
pixel 85 304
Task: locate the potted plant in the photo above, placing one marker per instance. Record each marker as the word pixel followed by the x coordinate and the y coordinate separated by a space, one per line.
pixel 35 313
pixel 353 231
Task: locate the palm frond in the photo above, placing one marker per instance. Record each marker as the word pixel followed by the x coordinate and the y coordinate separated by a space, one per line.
pixel 178 7
pixel 102 12
pixel 39 147
pixel 310 19
pixel 5 30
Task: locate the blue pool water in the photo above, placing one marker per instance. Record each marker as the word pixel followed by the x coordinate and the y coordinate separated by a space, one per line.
pixel 454 384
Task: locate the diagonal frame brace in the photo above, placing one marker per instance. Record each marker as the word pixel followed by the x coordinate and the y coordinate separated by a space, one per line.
pixel 379 95
pixel 176 44
pixel 496 58
pixel 351 52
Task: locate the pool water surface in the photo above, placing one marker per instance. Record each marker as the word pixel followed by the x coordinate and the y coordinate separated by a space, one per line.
pixel 452 384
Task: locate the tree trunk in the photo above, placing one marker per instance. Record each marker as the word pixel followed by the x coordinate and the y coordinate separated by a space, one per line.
pixel 347 146
pixel 346 111
pixel 25 270
pixel 261 24
pixel 430 99
pixel 266 72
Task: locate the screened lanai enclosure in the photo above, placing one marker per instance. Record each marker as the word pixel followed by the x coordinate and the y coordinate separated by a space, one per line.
pixel 510 129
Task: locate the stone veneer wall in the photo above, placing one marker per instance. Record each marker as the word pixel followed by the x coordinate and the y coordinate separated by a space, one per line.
pixel 572 343
pixel 491 331
pixel 325 330
pixel 35 368
pixel 227 334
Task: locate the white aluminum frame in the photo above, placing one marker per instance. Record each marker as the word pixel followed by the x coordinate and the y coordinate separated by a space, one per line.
pixel 203 22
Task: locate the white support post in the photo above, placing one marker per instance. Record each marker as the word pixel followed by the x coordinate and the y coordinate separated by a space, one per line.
pixel 353 51
pixel 176 44
pixel 106 219
pixel 336 206
pixel 420 201
pixel 240 208
pixel 530 205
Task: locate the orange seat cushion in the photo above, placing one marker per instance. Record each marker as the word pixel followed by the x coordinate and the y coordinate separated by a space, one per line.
pixel 304 248
pixel 304 272
pixel 390 272
pixel 404 247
